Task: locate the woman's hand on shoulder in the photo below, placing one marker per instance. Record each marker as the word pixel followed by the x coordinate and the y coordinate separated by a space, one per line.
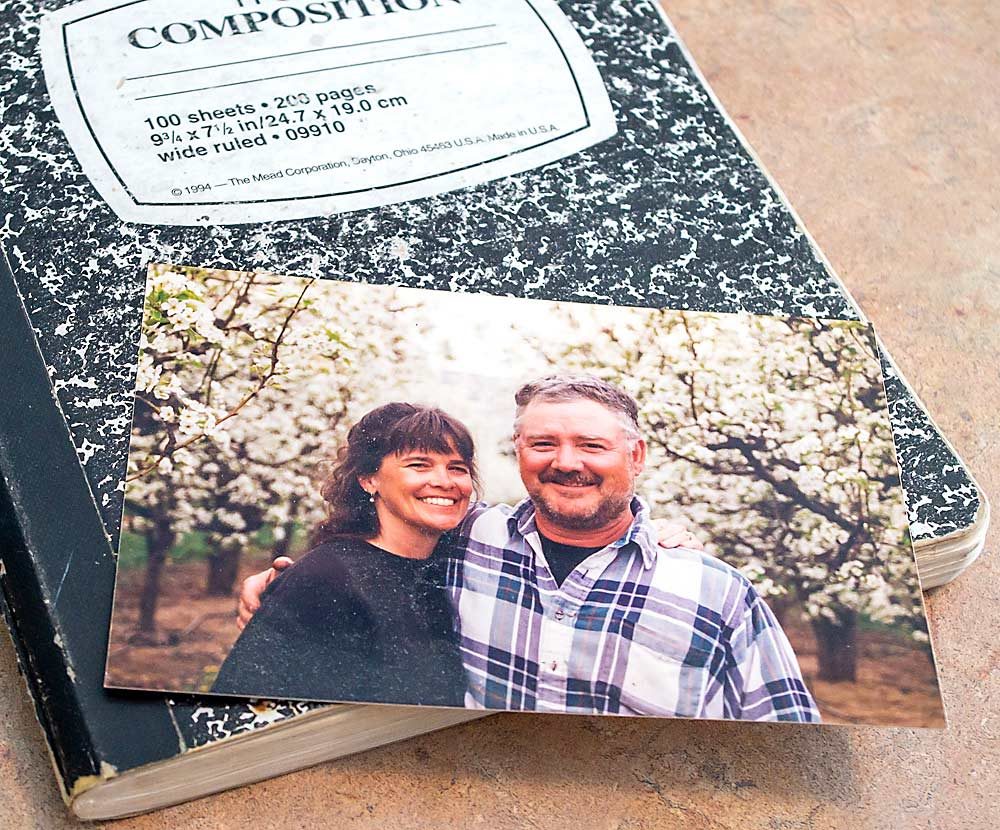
pixel 253 589
pixel 675 534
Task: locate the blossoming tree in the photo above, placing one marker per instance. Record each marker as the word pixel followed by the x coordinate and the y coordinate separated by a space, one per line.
pixel 772 436
pixel 245 381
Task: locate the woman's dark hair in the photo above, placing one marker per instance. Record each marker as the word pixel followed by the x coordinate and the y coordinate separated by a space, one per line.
pixel 395 428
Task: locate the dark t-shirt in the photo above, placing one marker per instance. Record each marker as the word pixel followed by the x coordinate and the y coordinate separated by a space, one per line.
pixel 562 558
pixel 350 621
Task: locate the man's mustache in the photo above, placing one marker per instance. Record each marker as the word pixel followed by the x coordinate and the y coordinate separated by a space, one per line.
pixel 570 479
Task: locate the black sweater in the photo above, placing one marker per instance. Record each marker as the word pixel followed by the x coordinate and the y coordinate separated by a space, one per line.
pixel 350 621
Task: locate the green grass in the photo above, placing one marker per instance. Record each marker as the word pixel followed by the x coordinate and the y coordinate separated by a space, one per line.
pixel 192 547
pixel 132 550
pixel 902 629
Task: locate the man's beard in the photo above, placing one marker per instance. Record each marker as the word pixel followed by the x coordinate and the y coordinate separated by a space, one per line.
pixel 604 512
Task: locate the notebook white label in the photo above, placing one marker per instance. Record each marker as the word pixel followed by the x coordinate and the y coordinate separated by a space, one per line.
pixel 186 112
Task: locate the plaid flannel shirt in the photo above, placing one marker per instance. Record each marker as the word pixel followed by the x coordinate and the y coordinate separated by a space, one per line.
pixel 633 630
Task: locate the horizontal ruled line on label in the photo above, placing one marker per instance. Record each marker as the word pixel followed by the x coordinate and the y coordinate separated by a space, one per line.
pixel 323 69
pixel 308 52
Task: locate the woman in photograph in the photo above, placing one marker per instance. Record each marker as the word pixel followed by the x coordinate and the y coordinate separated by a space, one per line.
pixel 364 615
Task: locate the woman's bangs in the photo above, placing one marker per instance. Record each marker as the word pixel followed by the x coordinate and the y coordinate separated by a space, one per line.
pixel 430 431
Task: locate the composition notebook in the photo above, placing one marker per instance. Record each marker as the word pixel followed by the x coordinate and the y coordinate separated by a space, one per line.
pixel 544 150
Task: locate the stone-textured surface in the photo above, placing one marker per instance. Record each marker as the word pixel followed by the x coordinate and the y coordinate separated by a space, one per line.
pixel 881 126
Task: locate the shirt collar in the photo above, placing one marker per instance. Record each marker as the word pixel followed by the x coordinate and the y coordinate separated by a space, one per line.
pixel 522 523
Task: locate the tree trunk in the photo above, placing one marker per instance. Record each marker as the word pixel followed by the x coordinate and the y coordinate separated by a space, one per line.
pixel 223 568
pixel 780 606
pixel 159 540
pixel 836 644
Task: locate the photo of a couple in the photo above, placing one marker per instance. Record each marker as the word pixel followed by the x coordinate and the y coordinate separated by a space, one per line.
pixel 564 602
pixel 356 493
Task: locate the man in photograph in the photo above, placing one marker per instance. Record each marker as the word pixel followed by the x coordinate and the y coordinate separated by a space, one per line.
pixel 567 603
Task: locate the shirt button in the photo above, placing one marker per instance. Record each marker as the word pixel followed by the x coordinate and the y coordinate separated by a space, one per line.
pixel 554 665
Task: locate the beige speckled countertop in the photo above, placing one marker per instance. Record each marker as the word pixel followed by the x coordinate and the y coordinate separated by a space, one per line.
pixel 880 121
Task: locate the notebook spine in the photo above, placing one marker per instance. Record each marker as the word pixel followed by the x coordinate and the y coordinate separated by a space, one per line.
pixel 33 630
pixel 57 564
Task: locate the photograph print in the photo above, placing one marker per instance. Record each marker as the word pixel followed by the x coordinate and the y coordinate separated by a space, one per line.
pixel 347 492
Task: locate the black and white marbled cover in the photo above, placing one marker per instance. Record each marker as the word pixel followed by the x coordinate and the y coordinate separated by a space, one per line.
pixel 672 211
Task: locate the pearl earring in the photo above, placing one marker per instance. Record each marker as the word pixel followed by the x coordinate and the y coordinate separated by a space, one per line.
pixel 371 498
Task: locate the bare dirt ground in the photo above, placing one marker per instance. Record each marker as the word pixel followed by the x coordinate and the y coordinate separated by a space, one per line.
pixel 198 630
pixel 895 683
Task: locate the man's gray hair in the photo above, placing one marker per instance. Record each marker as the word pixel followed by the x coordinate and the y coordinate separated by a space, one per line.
pixel 571 387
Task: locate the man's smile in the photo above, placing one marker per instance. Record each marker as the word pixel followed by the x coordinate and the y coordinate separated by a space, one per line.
pixel 572 480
